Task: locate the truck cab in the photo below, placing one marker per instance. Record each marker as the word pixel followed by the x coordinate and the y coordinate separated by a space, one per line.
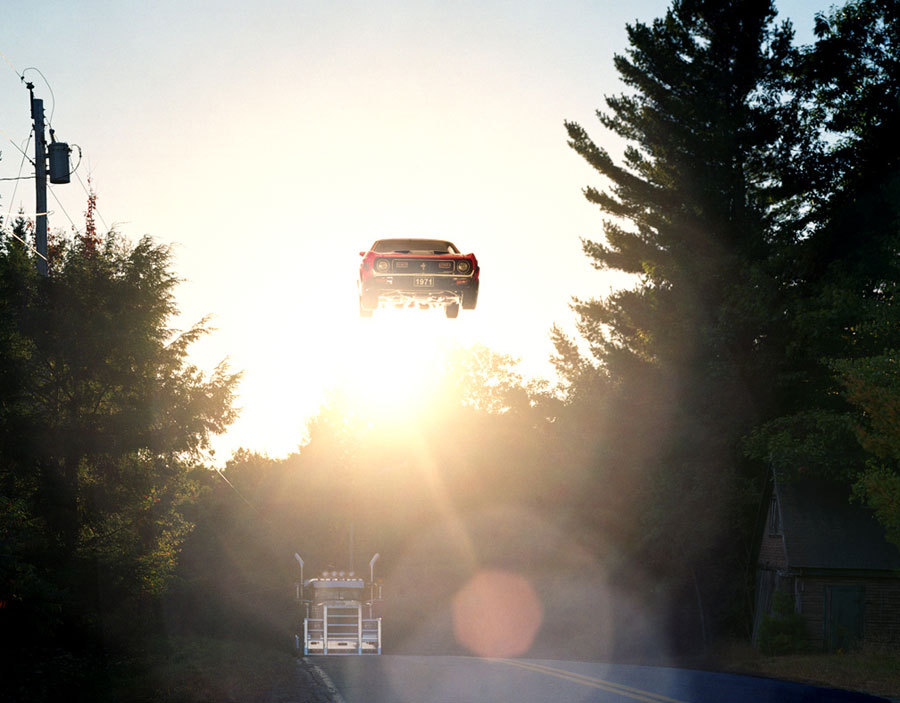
pixel 340 615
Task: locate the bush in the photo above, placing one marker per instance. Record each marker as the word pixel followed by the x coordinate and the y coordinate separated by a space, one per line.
pixel 784 631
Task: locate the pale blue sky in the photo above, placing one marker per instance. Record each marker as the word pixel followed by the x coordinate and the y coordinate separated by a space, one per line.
pixel 270 141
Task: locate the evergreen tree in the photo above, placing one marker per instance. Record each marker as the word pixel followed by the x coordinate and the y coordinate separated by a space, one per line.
pixel 696 208
pixel 841 276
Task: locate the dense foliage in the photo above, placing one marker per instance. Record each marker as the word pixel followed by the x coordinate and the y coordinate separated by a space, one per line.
pixel 101 419
pixel 756 205
pixel 695 216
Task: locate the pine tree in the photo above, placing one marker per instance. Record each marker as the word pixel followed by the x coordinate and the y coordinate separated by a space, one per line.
pixel 695 209
pixel 841 276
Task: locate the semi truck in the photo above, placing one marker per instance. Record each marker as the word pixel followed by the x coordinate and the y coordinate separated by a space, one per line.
pixel 338 613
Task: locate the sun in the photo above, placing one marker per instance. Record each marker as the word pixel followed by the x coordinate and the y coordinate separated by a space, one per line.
pixel 394 369
pixel 398 363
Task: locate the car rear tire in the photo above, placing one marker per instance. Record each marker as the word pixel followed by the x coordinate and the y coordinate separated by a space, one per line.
pixel 367 303
pixel 451 310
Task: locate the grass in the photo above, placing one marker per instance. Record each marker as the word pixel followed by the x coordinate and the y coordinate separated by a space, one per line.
pixel 873 669
pixel 206 670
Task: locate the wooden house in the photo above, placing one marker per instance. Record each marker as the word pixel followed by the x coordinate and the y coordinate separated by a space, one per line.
pixel 830 556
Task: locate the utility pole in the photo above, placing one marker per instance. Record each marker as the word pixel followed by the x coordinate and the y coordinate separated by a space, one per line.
pixel 59 173
pixel 40 181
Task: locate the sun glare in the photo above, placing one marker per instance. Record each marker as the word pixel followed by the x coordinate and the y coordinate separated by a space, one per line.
pixel 400 357
pixel 390 368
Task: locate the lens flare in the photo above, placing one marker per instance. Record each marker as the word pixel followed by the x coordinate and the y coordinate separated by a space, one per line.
pixel 497 614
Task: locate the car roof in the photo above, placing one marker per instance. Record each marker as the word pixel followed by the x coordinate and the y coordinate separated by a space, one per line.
pixel 412 244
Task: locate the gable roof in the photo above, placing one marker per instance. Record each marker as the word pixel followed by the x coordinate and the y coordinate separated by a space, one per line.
pixel 824 530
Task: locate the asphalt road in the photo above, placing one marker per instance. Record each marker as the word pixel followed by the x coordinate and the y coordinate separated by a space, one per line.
pixel 439 679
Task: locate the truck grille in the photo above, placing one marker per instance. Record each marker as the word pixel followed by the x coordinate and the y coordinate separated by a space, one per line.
pixel 343 622
pixel 344 632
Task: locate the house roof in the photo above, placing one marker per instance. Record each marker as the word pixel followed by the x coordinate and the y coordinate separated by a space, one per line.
pixel 824 530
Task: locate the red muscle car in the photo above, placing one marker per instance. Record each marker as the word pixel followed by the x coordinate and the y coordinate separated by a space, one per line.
pixel 417 273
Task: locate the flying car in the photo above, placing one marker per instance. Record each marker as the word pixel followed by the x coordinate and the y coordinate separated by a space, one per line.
pixel 421 273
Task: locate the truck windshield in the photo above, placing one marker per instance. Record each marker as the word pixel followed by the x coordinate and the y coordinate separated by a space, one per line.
pixel 323 594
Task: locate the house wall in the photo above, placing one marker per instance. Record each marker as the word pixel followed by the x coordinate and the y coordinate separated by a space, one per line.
pixel 771 550
pixel 771 569
pixel 881 616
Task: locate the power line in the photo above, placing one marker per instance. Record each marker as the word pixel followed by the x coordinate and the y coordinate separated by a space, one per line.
pixel 9 63
pixel 21 165
pixel 61 207
pixel 25 156
pixel 18 148
pixel 240 495
pixel 21 77
pixel 28 245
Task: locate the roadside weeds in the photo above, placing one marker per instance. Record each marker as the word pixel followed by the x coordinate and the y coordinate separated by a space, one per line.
pixel 872 669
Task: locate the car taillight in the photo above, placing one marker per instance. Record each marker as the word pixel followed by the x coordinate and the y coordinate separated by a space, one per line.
pixel 382 265
pixel 463 266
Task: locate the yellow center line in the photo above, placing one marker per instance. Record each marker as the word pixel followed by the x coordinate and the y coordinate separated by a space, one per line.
pixel 593 681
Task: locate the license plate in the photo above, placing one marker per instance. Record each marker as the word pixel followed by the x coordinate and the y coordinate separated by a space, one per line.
pixel 423 281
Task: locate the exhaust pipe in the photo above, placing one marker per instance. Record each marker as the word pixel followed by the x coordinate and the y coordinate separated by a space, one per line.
pixel 299 585
pixel 372 567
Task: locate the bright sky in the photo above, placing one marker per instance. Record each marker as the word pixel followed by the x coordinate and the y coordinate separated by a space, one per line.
pixel 269 142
